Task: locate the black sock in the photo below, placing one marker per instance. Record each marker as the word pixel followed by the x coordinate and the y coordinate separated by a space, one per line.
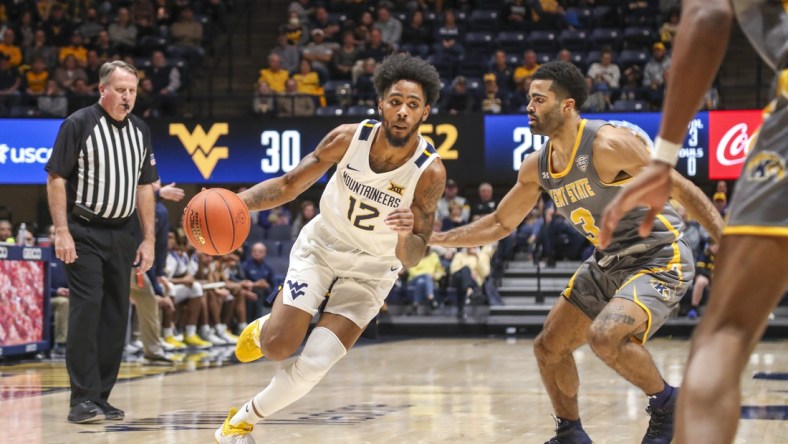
pixel 568 423
pixel 659 399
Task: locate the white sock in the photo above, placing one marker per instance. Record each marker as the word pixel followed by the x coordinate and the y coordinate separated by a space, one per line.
pixel 322 350
pixel 220 329
pixel 205 330
pixel 191 330
pixel 167 332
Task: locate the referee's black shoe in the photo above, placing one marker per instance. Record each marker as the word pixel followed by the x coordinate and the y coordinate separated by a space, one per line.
pixel 111 413
pixel 85 412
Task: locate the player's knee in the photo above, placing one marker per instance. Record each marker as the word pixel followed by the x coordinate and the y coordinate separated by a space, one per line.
pixel 322 350
pixel 277 346
pixel 604 345
pixel 545 349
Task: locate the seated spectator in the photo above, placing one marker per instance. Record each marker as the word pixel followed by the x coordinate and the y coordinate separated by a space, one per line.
pixel 36 78
pixel 605 74
pixel 424 277
pixel 484 204
pixel 10 83
pixel 518 100
pixel 390 27
pixel 493 100
pixel 565 55
pixel 448 37
pixel 262 276
pixel 81 96
pixel 91 26
pixel 10 49
pixel 75 48
pixel 376 48
pixel 67 72
pixel 296 30
pixel 41 50
pixel 416 36
pixel 53 103
pixel 293 104
pixel 6 232
pixel 654 75
pixel 104 47
pixel 704 270
pixel 186 35
pixel 515 15
pixel 548 15
pixel 278 216
pixel 597 101
pixel 166 81
pixel 122 33
pixel 458 100
pixel 274 75
pixel 147 104
pixel 345 57
pixel 528 234
pixel 720 203
pixel 307 80
pixel 450 196
pixel 668 30
pixel 25 30
pixel 305 215
pixel 330 28
pixel 186 293
pixel 469 268
pixel 57 26
pixel 364 88
pixel 263 103
pixel 711 100
pixel 503 73
pixel 632 87
pixel 288 53
pixel 528 67
pixel 454 219
pixel 93 70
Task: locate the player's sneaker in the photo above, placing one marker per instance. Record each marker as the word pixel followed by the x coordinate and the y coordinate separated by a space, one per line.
pixel 196 342
pixel 568 433
pixel 174 342
pixel 230 434
pixel 213 338
pixel 248 347
pixel 660 426
pixel 228 337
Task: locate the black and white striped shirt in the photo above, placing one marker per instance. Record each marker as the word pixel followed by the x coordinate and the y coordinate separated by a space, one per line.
pixel 103 161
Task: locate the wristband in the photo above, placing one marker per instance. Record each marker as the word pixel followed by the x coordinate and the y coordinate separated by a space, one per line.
pixel 666 152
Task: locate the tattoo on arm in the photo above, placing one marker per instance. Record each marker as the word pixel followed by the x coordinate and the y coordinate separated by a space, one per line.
pixel 617 318
pixel 262 194
pixel 431 197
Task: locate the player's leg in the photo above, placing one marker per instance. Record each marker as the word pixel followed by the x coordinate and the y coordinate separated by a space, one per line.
pixel 701 283
pixel 750 278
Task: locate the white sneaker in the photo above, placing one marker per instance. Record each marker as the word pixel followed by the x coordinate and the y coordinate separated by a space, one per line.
pixel 137 343
pixel 228 337
pixel 229 434
pixel 166 346
pixel 214 339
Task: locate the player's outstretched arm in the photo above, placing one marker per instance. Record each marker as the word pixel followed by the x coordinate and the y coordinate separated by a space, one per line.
pixel 697 204
pixel 517 203
pixel 700 45
pixel 414 224
pixel 280 190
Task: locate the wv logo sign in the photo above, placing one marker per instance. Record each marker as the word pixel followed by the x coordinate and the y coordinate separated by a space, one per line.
pixel 296 288
pixel 201 146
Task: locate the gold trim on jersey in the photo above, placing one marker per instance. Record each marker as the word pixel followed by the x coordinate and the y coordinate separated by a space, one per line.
pixel 616 183
pixel 648 313
pixel 755 230
pixel 571 160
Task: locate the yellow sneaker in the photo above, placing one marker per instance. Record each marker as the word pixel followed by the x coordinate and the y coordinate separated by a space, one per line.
pixel 230 434
pixel 177 345
pixel 197 342
pixel 248 347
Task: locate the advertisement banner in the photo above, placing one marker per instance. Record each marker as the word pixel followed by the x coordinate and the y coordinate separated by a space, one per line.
pixel 24 298
pixel 25 147
pixel 730 134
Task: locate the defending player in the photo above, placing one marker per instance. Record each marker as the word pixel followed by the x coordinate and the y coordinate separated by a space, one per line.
pixel 750 274
pixel 621 295
pixel 376 215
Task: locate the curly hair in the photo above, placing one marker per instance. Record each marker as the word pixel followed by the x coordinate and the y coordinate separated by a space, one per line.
pixel 406 67
pixel 568 81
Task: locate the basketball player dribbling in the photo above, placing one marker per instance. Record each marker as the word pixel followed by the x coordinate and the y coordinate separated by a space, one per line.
pixel 622 294
pixel 751 272
pixel 376 216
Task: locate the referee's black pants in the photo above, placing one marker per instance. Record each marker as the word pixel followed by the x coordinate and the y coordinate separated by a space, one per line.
pixel 99 305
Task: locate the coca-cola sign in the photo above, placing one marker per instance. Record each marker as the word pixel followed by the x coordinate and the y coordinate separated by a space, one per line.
pixel 729 140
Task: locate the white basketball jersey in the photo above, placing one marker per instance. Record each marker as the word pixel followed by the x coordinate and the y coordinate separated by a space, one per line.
pixel 357 200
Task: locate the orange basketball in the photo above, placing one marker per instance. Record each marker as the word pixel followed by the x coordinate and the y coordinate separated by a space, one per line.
pixel 216 221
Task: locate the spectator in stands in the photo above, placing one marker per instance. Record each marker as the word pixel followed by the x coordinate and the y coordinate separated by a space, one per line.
pixel 448 47
pixel 186 293
pixel 390 27
pixel 262 276
pixel 123 33
pixel 274 75
pixel 668 30
pixel 297 31
pixel 485 204
pixel 75 48
pixel 293 104
pixel 307 212
pixel 528 233
pixel 364 89
pixel 376 48
pixel 186 35
pixel 548 15
pixel 288 54
pixel 91 26
pixel 598 101
pixel 721 203
pixel 81 96
pixel 449 196
pixel 35 78
pixel 9 85
pixel 6 232
pixel 605 73
pixel 166 81
pixel 57 27
pixel 25 30
pixel 92 70
pixel 263 103
pixel 704 270
pixel 216 11
pixel 345 58
pixel 40 49
pixel 654 74
pixel 147 105
pixel 104 47
pixel 503 73
pixel 632 86
pixel 240 288
pixel 307 80
pixel 519 98
pixel 416 36
pixel 301 8
pixel 362 29
pixel 9 48
pixel 455 217
pixel 515 15
pixel 469 268
pixel 67 72
pixel 318 53
pixel 329 27
pixel 528 68
pixel 424 277
pixel 145 28
pixel 695 235
pixel 53 103
pixel 494 101
pixel 458 100
pixel 711 100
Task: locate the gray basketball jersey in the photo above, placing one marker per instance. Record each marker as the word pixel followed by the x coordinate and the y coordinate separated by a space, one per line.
pixel 765 23
pixel 581 196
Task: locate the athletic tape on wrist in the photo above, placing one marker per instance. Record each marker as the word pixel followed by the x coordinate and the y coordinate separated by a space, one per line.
pixel 667 152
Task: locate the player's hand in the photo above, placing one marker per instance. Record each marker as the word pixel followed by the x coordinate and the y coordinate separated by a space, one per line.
pixel 650 188
pixel 171 192
pixel 65 250
pixel 400 220
pixel 144 257
pixel 62 292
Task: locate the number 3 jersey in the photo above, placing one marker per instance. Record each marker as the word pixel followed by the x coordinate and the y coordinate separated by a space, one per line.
pixel 357 200
pixel 581 196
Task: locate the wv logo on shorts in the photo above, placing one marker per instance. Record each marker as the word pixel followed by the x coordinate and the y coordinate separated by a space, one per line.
pixel 296 288
pixel 201 146
pixel 765 166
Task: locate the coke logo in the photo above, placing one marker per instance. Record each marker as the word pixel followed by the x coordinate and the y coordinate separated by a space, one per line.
pixel 732 148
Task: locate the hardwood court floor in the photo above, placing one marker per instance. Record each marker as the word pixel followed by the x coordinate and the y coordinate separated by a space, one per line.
pixel 410 391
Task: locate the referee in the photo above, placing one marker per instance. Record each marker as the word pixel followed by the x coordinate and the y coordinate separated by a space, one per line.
pixel 101 170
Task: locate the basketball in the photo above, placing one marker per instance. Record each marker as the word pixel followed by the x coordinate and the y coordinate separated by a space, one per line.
pixel 216 221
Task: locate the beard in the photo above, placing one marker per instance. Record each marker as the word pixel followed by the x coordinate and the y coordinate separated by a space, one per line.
pixel 395 141
pixel 548 123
